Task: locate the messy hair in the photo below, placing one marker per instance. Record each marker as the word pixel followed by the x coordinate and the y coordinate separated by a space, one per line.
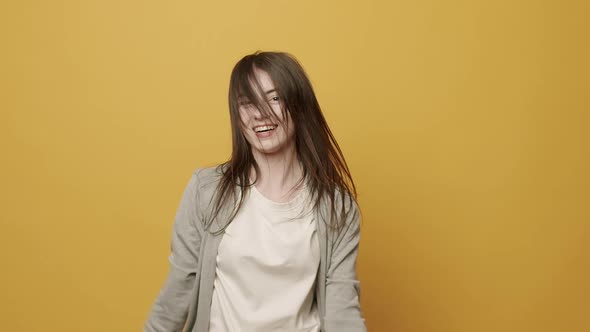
pixel 325 171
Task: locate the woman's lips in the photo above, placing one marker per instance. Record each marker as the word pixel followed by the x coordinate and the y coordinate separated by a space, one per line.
pixel 265 134
pixel 264 131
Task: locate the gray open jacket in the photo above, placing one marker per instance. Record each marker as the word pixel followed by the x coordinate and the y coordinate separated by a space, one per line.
pixel 185 299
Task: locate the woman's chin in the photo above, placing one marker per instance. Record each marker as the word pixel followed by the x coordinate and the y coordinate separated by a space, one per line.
pixel 270 149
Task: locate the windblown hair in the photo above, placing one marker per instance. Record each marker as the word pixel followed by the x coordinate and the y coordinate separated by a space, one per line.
pixel 324 168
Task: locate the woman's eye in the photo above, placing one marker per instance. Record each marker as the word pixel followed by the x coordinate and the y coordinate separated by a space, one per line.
pixel 275 98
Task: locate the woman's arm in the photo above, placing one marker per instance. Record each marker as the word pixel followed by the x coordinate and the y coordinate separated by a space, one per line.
pixel 169 312
pixel 343 312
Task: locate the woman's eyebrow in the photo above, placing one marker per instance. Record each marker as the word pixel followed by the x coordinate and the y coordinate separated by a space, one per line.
pixel 271 91
pixel 243 100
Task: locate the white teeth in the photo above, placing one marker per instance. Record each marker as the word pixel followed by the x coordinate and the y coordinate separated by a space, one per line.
pixel 263 128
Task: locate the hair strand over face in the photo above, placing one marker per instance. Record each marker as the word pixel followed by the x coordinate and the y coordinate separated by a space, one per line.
pixel 324 167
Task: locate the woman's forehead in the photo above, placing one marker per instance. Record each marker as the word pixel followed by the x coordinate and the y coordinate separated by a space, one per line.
pixel 260 84
pixel 264 80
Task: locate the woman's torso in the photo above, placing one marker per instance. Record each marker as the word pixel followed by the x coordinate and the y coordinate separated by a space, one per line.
pixel 266 268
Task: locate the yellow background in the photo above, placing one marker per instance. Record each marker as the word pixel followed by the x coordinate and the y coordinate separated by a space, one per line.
pixel 465 124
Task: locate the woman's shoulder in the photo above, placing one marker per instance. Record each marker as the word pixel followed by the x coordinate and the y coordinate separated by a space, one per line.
pixel 207 174
pixel 206 179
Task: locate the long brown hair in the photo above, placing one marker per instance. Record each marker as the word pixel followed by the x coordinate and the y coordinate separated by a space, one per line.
pixel 324 168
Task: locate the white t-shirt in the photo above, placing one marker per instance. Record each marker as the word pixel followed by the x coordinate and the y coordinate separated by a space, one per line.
pixel 266 268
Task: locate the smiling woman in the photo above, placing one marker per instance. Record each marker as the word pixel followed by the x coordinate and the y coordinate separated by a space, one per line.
pixel 268 240
pixel 266 132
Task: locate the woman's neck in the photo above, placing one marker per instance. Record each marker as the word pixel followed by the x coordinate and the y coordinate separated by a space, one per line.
pixel 279 174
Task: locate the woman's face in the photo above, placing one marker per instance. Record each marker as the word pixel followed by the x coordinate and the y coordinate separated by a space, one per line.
pixel 265 134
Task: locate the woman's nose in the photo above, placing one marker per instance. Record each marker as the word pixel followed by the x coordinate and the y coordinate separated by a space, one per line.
pixel 256 113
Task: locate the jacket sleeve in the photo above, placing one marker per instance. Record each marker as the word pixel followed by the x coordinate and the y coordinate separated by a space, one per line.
pixel 169 312
pixel 343 313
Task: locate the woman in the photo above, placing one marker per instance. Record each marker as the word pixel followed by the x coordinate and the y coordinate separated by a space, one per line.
pixel 268 240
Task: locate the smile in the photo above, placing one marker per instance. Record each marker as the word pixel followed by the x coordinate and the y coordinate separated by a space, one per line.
pixel 265 128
